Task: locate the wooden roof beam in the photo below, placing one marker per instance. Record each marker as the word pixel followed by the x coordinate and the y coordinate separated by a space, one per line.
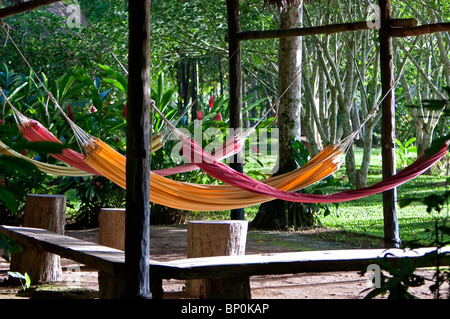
pixel 420 30
pixel 24 7
pixel 325 29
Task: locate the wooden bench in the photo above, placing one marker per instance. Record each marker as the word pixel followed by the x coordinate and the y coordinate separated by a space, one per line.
pixel 111 261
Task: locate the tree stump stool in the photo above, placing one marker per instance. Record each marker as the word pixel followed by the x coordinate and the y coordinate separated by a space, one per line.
pixel 47 212
pixel 112 234
pixel 217 238
pixel 112 228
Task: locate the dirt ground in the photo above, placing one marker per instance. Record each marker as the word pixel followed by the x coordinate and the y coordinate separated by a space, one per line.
pixel 169 243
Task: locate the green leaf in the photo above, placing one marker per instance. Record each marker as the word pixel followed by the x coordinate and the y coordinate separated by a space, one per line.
pixel 17 90
pixel 27 281
pixel 42 147
pixel 9 200
pixel 116 83
pixel 21 277
pixel 252 105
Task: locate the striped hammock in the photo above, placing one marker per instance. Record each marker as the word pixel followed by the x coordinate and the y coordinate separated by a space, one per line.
pixel 47 168
pixel 199 197
pixel 243 191
pixel 240 190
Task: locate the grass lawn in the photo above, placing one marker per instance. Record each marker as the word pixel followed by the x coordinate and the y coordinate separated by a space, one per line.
pixel 364 217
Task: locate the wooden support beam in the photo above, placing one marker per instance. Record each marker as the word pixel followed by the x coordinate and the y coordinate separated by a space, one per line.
pixel 391 235
pixel 420 30
pixel 326 29
pixel 137 220
pixel 235 82
pixel 24 6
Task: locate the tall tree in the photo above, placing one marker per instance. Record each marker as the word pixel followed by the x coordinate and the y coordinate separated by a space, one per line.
pixel 278 213
pixel 428 70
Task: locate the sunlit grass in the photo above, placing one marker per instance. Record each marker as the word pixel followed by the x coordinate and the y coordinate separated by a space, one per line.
pixel 364 217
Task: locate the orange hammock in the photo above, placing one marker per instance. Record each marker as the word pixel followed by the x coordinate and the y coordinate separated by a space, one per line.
pixel 105 161
pixel 198 197
pixel 242 190
pixel 187 196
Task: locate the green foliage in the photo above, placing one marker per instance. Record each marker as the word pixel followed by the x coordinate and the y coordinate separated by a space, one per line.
pixel 25 280
pixel 163 98
pixel 9 247
pixel 95 105
pixel 300 153
pixel 402 278
pixel 406 152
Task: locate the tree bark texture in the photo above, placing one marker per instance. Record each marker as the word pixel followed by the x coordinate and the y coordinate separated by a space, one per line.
pixel 289 83
pixel 47 212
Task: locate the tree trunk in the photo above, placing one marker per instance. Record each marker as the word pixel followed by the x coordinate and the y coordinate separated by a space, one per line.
pixel 181 83
pixel 47 212
pixel 289 115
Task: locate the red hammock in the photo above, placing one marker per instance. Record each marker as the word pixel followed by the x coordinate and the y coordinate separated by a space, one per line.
pixel 33 131
pixel 232 177
pixel 230 147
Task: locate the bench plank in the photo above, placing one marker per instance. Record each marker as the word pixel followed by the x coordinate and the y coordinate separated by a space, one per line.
pixel 112 260
pixel 297 262
pixel 100 257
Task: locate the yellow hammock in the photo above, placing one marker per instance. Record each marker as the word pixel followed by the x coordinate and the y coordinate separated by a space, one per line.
pixel 44 167
pixel 197 197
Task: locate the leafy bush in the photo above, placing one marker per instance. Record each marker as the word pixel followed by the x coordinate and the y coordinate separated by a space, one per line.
pixel 406 152
pixel 95 105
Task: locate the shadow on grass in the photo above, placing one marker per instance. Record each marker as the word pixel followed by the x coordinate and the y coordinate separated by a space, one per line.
pixel 316 239
pixel 371 236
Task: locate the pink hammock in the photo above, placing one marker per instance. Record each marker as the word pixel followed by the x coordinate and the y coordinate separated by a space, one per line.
pixel 232 177
pixel 231 146
pixel 34 131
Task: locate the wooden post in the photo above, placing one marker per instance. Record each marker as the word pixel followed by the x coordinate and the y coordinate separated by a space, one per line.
pixel 391 235
pixel 112 228
pixel 137 224
pixel 47 212
pixel 235 82
pixel 217 238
